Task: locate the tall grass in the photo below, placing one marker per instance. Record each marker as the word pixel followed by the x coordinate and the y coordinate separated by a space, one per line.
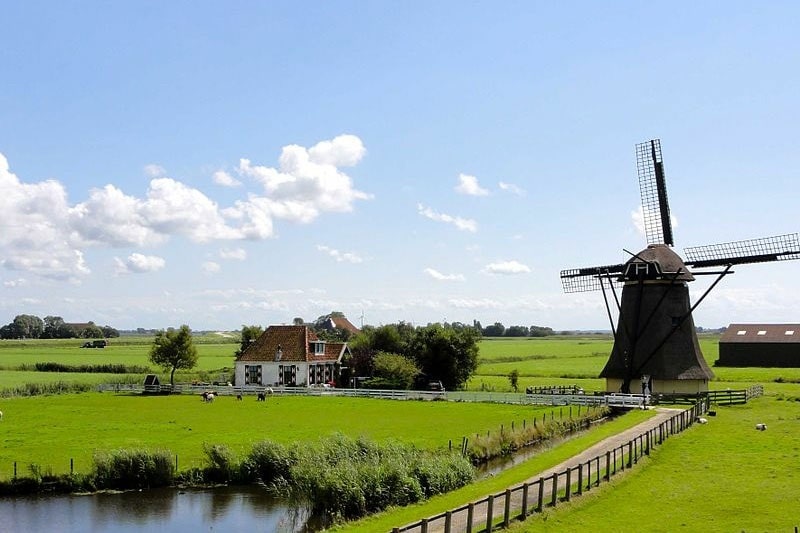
pixel 38 389
pixel 133 469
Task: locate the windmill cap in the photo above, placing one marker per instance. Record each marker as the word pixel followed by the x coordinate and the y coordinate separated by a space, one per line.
pixel 667 259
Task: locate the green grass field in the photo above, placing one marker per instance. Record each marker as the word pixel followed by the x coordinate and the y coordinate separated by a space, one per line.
pixel 50 430
pixel 723 476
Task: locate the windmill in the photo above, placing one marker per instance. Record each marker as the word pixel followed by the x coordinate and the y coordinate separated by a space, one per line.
pixel 655 341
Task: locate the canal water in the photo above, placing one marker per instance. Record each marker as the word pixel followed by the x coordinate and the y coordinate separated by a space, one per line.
pixel 226 509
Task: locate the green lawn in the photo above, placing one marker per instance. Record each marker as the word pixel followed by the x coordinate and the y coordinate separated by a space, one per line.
pixel 722 476
pixel 49 430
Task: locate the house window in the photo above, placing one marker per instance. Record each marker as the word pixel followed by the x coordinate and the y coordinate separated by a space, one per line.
pixel 742 332
pixel 789 332
pixel 319 348
pixel 762 332
pixel 252 375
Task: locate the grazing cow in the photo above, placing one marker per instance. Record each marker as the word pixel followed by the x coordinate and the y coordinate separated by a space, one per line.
pixel 761 427
pixel 208 396
pixel 239 397
pixel 261 397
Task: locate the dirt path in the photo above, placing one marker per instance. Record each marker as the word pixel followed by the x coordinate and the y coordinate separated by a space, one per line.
pixel 459 520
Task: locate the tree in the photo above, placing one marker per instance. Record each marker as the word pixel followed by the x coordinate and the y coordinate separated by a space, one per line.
pixel 91 331
pixel 517 331
pixel 298 321
pixel 513 378
pixel 56 328
pixel 446 354
pixel 541 331
pixel 173 349
pixel 393 371
pixel 28 326
pixel 495 330
pixel 249 335
pixel 109 332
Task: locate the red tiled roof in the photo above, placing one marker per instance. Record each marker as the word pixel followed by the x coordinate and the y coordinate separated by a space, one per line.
pixel 295 343
pixel 341 322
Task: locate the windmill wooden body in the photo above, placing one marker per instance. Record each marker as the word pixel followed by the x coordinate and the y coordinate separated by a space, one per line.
pixel 656 349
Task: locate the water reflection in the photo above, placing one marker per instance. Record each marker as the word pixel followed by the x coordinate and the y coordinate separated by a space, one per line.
pixel 238 509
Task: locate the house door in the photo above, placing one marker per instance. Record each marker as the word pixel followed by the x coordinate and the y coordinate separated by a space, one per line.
pixel 289 375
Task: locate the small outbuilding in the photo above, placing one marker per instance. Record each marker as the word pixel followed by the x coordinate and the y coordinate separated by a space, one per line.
pixel 151 383
pixel 760 345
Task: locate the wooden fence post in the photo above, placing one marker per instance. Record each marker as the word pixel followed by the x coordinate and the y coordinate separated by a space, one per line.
pixel 554 494
pixel 539 504
pixel 524 512
pixel 507 509
pixel 569 482
pixel 580 479
pixel 630 454
pixel 448 519
pixel 423 525
pixel 489 517
pixel 470 516
pixel 589 474
pixel 608 465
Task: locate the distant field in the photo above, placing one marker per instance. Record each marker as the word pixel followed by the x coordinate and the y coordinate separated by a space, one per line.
pixel 567 360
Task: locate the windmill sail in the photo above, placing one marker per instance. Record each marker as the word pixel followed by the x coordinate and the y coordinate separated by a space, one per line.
pixel 653 188
pixel 590 278
pixel 764 250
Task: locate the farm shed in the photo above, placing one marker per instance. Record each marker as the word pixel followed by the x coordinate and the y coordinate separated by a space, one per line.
pixel 292 356
pixel 764 345
pixel 151 383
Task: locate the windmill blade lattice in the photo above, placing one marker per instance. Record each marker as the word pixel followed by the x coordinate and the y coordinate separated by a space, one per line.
pixel 764 250
pixel 653 188
pixel 590 278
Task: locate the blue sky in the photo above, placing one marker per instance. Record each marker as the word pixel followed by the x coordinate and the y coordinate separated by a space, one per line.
pixel 226 163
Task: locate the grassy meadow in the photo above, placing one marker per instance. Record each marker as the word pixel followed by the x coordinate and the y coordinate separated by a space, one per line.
pixel 81 424
pixel 722 476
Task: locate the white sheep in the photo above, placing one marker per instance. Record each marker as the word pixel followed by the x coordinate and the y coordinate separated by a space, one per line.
pixel 701 420
pixel 1 415
pixel 761 427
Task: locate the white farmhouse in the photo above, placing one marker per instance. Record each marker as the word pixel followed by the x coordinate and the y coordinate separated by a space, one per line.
pixel 290 356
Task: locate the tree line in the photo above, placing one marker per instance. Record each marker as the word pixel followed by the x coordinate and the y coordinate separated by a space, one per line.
pixel 53 327
pixel 499 330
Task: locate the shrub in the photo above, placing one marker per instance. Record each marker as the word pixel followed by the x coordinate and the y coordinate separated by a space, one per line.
pixel 133 469
pixel 270 463
pixel 221 464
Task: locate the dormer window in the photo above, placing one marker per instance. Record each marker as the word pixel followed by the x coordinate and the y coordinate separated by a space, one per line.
pixel 278 353
pixel 742 332
pixel 789 332
pixel 762 332
pixel 319 348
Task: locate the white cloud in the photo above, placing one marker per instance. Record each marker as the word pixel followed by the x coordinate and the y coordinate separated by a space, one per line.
pixel 463 224
pixel 224 179
pixel 510 187
pixel 210 267
pixel 307 182
pixel 46 236
pixel 14 283
pixel 238 254
pixel 469 185
pixel 137 263
pixel 506 268
pixel 435 274
pixel 173 208
pixel 478 303
pixel 348 257
pixel 154 171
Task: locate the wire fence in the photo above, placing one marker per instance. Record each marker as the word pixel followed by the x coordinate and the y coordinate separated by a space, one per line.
pixel 518 503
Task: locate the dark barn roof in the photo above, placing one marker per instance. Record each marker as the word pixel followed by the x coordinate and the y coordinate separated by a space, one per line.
pixel 760 345
pixel 761 333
